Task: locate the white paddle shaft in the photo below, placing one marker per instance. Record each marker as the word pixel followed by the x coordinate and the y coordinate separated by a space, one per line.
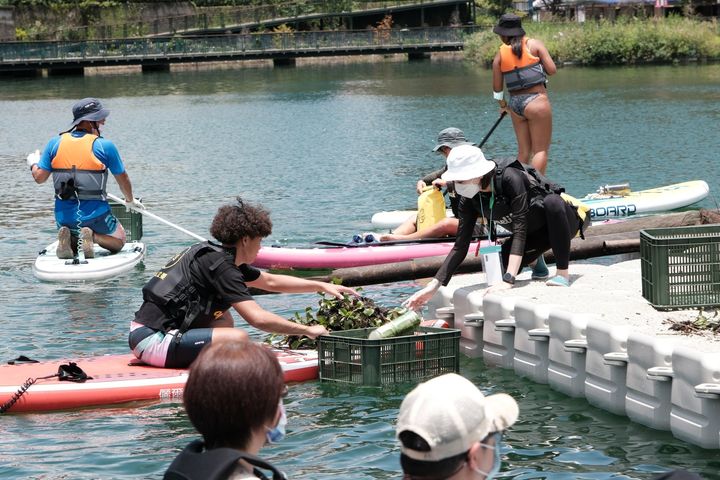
pixel 155 217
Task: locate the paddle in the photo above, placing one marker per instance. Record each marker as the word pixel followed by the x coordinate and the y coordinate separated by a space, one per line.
pixel 501 234
pixel 155 217
pixel 497 122
pixel 388 243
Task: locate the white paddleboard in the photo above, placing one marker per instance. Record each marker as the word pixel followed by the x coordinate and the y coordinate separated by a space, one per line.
pixel 105 265
pixel 642 202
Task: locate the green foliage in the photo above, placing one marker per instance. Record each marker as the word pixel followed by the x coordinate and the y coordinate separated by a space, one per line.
pixel 334 314
pixel 626 41
pixel 21 34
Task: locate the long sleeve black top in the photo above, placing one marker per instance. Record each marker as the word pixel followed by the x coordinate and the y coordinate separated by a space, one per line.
pixel 511 210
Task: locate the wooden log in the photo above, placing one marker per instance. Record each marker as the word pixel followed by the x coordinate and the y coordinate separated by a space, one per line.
pixel 600 240
pixel 614 244
pixel 693 217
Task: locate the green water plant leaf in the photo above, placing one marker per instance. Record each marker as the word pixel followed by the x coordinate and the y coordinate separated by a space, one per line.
pixel 336 314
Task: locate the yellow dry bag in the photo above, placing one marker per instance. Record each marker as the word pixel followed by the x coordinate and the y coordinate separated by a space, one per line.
pixel 431 208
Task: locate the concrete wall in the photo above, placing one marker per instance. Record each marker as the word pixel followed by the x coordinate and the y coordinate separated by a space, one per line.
pixel 7 24
pixel 47 20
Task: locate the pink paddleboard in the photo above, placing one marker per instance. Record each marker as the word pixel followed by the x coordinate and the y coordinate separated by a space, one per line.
pixel 344 257
pixel 118 379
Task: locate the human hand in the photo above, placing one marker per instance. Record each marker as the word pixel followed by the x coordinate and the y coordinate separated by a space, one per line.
pixel 421 297
pixel 338 290
pixel 498 287
pixel 420 186
pixel 439 183
pixel 315 331
pixel 134 204
pixel 33 158
pixel 504 110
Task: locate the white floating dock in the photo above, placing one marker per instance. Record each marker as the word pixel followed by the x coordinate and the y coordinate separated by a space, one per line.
pixel 599 339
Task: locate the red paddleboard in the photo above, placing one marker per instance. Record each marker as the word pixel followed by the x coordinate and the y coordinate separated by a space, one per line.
pixel 117 379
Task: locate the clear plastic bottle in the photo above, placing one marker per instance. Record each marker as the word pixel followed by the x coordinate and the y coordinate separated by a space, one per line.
pixel 405 323
pixel 617 189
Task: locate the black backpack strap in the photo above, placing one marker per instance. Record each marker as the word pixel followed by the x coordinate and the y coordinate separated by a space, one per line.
pixel 196 463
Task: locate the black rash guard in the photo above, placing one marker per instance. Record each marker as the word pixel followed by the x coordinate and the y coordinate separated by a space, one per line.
pixel 511 211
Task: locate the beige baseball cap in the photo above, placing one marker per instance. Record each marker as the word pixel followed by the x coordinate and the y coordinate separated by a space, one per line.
pixel 451 414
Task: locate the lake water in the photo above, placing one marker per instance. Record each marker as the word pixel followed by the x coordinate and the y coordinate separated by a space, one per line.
pixel 323 147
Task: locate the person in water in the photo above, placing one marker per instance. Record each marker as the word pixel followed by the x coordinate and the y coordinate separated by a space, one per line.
pixel 535 211
pixel 449 430
pixel 234 399
pixel 79 160
pixel 522 65
pixel 186 305
pixel 447 139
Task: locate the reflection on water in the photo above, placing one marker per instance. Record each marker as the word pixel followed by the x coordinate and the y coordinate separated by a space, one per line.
pixel 323 147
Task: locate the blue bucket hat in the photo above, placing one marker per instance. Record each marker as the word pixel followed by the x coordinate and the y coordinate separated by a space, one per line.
pixel 89 109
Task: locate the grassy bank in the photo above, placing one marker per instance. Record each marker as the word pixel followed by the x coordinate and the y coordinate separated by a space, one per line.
pixel 625 42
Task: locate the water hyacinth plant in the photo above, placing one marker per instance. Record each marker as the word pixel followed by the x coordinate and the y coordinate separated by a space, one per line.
pixel 335 314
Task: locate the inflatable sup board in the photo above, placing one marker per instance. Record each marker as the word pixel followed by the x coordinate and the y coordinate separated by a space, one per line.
pixel 117 379
pixel 602 206
pixel 351 256
pixel 105 265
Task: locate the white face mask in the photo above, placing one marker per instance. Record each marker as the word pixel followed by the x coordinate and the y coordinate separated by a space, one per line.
pixel 468 190
pixel 495 469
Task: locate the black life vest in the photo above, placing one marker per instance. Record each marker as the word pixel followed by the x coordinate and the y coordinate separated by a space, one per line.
pixel 196 463
pixel 173 290
pixel 539 185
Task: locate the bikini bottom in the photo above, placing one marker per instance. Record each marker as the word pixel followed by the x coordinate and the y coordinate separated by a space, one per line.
pixel 518 102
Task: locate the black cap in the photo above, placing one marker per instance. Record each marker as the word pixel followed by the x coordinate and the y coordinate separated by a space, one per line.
pixel 509 26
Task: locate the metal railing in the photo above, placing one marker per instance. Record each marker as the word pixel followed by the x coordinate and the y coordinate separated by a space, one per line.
pixel 235 45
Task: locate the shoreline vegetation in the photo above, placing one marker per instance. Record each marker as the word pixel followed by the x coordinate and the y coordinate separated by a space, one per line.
pixel 626 41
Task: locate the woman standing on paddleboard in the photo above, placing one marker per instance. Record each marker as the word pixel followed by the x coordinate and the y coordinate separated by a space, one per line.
pixel 187 303
pixel 523 65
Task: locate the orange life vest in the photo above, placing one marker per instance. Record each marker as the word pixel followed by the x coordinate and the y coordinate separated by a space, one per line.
pixel 77 172
pixel 520 73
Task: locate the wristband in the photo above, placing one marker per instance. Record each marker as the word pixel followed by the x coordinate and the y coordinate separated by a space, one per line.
pixel 499 95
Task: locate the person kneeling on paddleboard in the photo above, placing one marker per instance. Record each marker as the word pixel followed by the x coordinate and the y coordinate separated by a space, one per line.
pixel 447 139
pixel 79 160
pixel 234 398
pixel 186 304
pixel 537 212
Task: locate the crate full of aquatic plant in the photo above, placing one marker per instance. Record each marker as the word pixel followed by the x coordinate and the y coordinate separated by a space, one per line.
pixel 361 357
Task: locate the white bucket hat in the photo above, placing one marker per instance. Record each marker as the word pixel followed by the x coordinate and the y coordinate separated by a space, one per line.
pixel 451 414
pixel 466 162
